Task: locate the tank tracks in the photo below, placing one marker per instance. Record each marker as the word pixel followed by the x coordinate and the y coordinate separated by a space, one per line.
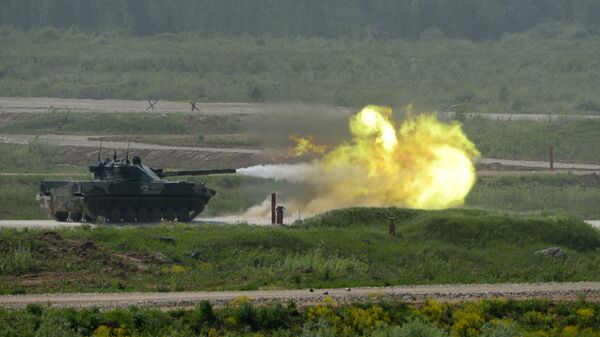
pixel 136 209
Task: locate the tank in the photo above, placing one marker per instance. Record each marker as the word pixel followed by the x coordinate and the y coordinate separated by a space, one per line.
pixel 127 191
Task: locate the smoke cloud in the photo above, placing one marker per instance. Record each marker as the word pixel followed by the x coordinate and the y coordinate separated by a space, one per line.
pixel 420 163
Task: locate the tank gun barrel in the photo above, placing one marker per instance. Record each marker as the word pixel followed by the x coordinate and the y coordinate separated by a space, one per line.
pixel 196 172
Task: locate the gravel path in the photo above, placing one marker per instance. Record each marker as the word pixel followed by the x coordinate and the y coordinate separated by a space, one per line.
pixel 45 105
pixel 530 117
pixel 83 141
pixel 413 294
pixel 539 164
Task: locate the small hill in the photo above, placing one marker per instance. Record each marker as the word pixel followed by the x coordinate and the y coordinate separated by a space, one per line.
pixel 348 247
pixel 470 227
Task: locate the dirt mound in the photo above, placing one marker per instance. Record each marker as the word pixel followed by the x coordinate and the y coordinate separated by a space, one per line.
pixel 84 253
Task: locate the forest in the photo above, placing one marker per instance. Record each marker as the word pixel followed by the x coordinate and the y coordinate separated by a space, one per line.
pixel 470 19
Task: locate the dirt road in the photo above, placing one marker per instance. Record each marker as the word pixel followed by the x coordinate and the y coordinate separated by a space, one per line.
pixel 198 221
pixel 412 294
pixel 45 105
pixel 530 117
pixel 533 164
pixel 80 150
pixel 84 141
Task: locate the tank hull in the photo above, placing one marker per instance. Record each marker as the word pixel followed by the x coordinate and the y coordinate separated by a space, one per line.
pixel 124 201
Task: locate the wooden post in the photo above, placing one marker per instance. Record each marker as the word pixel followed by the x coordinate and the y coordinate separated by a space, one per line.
pixel 551 157
pixel 280 210
pixel 392 227
pixel 273 208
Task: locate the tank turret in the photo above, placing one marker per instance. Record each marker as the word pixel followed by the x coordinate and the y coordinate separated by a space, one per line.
pixel 129 191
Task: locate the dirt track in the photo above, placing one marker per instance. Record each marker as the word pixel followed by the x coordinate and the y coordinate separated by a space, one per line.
pixel 45 105
pixel 539 164
pixel 79 150
pixel 411 294
pixel 84 141
pixel 251 155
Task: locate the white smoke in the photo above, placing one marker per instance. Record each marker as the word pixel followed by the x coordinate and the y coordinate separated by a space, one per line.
pixel 294 173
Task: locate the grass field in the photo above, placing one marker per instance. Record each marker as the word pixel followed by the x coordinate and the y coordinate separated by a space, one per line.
pixel 528 72
pixel 573 140
pixel 377 318
pixel 340 248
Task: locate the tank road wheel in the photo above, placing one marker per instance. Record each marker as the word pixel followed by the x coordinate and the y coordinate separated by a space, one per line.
pixel 183 215
pixel 115 215
pixel 198 206
pixel 75 216
pixel 169 214
pixel 155 215
pixel 143 215
pixel 129 215
pixel 61 216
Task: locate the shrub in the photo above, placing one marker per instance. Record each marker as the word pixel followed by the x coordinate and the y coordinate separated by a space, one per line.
pixel 500 329
pixel 54 327
pixel 203 317
pixel 414 328
pixel 34 309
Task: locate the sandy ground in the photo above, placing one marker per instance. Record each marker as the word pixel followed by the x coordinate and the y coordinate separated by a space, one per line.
pixel 413 294
pixel 74 141
pixel 539 164
pixel 197 222
pixel 530 117
pixel 44 105
pixel 80 150
pixel 55 224
pixel 84 141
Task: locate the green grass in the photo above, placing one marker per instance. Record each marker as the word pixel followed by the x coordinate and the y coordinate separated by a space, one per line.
pixel 569 194
pixel 340 248
pixel 65 122
pixel 35 156
pixel 518 73
pixel 374 318
pixel 573 140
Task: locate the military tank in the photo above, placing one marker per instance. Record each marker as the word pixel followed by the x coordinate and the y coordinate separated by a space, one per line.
pixel 127 191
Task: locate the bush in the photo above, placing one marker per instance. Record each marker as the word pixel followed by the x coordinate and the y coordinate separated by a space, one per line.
pixel 203 317
pixel 500 330
pixel 414 328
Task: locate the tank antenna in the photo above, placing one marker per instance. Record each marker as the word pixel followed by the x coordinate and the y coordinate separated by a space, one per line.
pixel 127 153
pixel 114 155
pixel 100 150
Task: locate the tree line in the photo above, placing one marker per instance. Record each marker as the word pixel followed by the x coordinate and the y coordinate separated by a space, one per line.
pixel 472 19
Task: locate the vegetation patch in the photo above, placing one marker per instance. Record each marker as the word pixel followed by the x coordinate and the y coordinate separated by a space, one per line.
pixel 573 140
pixel 431 70
pixel 490 318
pixel 454 246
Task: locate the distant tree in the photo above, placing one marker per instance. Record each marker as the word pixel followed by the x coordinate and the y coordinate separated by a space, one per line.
pixel 587 14
pixel 473 19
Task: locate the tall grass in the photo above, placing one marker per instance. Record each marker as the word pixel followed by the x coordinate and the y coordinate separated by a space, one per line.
pixel 34 157
pixel 519 73
pixel 573 140
pixel 566 194
pixel 454 246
